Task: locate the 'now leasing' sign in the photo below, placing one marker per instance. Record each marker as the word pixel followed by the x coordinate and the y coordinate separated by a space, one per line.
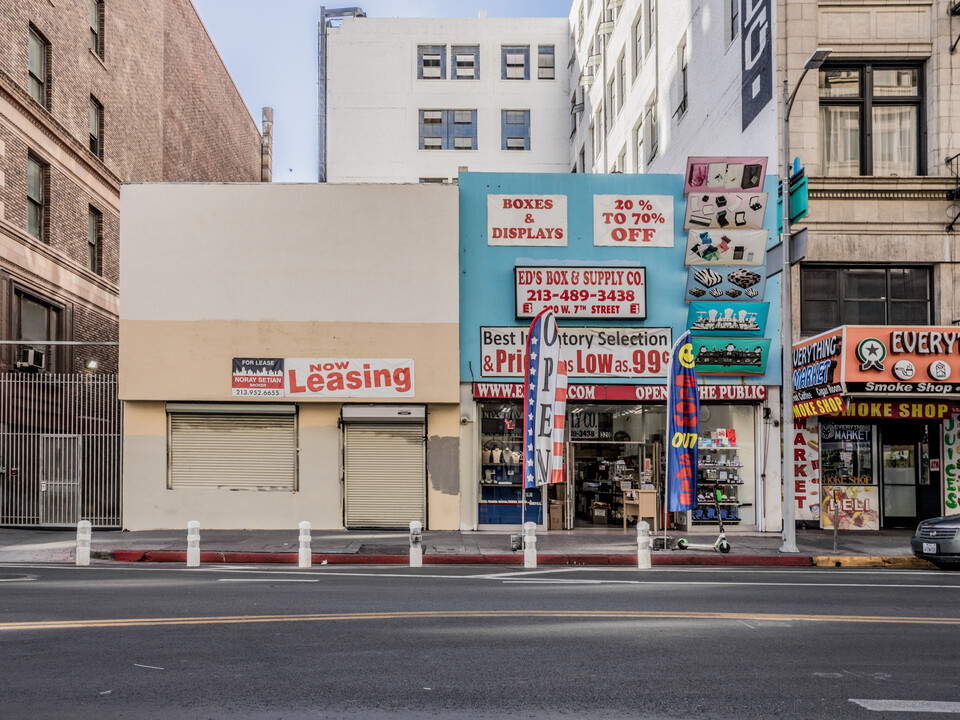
pixel 348 377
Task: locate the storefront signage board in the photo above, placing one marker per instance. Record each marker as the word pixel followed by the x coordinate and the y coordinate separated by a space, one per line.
pixel 951 465
pixel 725 284
pixel 625 393
pixel 726 247
pixel 731 356
pixel 892 360
pixel 817 389
pixel 720 211
pixel 724 174
pixel 257 377
pixel 859 507
pixel 348 378
pixel 736 320
pixel 611 292
pixel 806 469
pixel 633 221
pixel 622 352
pixel 527 220
pixel 870 410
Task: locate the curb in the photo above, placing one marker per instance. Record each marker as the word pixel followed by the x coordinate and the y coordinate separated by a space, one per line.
pixel 874 561
pixel 603 559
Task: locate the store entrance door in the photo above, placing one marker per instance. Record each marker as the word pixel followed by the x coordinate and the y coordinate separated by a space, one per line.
pixel 600 471
pixel 908 492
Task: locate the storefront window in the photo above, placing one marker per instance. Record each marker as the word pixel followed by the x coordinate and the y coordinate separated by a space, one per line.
pixel 501 467
pixel 846 454
pixel 728 464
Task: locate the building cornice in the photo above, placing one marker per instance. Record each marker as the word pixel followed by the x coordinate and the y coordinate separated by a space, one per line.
pixel 873 188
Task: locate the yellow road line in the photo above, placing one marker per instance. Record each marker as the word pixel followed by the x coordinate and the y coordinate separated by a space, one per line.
pixel 447 614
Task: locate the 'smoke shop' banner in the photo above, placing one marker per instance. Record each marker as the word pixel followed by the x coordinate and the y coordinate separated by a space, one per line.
pixel 683 419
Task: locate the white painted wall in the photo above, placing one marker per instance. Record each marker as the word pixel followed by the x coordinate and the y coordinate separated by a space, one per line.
pixel 374 97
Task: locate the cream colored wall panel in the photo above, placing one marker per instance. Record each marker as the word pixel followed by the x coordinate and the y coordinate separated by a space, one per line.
pixel 359 253
pixel 193 360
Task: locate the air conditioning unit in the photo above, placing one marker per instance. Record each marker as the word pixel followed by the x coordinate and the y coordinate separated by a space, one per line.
pixel 31 359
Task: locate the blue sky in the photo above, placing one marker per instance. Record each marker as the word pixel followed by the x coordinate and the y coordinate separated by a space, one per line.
pixel 270 50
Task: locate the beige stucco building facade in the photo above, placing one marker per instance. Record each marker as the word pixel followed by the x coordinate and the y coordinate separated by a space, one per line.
pixel 313 276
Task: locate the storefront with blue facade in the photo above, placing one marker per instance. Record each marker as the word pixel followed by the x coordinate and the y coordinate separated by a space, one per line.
pixel 628 263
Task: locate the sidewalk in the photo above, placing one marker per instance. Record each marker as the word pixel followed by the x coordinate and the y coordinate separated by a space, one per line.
pixel 589 546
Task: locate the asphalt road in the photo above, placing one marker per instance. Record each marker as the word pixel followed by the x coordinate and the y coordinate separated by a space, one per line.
pixel 122 641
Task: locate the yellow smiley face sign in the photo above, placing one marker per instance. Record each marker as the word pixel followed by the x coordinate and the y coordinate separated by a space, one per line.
pixel 686 355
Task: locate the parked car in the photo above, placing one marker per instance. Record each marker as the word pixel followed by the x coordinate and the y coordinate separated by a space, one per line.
pixel 938 540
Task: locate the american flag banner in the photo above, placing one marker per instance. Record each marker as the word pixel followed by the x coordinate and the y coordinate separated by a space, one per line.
pixel 545 403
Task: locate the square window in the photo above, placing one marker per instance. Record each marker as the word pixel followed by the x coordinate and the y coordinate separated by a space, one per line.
pixel 431 62
pixel 448 129
pixel 515 62
pixel 871 119
pixel 466 60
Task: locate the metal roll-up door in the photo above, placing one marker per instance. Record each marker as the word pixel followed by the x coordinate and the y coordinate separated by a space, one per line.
pixel 233 451
pixel 384 474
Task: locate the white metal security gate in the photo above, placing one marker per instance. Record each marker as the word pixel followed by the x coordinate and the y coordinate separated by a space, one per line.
pixel 384 472
pixel 60 450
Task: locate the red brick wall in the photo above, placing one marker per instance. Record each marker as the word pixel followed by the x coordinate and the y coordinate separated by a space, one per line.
pixel 208 133
pixel 170 113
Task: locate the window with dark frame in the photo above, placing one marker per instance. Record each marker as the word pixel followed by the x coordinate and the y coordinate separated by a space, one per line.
pixel 37 321
pixel 637 46
pixel 831 296
pixel 682 79
pixel 733 12
pixel 652 131
pixel 871 119
pixel 95 240
pixel 39 67
pixel 96 27
pixel 36 198
pixel 546 62
pixel 515 130
pixel 96 127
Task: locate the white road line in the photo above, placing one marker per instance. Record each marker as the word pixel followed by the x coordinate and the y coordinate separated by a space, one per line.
pixel 915 706
pixel 269 580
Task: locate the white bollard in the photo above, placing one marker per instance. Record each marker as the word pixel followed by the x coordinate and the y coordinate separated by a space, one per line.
pixel 530 545
pixel 305 557
pixel 193 544
pixel 643 545
pixel 416 543
pixel 83 542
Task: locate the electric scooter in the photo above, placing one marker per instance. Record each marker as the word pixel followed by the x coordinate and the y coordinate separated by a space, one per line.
pixel 721 545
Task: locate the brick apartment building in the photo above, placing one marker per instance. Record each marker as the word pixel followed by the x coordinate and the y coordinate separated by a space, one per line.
pixel 94 93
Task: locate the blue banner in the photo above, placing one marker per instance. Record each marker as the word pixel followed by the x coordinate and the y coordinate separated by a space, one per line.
pixel 683 419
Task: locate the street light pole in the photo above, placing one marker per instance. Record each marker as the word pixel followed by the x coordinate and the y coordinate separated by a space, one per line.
pixel 786 311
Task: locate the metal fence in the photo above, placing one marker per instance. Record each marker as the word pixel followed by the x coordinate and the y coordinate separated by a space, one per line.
pixel 60 450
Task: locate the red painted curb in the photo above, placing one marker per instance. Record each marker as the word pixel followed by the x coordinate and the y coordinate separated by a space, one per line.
pixel 263 558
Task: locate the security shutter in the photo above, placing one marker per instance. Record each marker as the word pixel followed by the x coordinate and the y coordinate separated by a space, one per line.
pixel 233 451
pixel 384 474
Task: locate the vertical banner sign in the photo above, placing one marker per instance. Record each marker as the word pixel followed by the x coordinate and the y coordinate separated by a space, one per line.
pixel 756 78
pixel 951 463
pixel 683 419
pixel 545 403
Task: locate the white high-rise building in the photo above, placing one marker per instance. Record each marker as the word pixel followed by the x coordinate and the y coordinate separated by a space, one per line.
pixel 413 100
pixel 657 82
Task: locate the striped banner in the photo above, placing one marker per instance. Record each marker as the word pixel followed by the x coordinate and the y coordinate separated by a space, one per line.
pixel 545 403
